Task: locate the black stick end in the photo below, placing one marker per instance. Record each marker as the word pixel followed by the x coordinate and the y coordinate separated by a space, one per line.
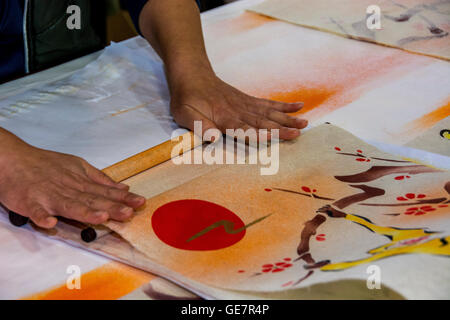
pixel 17 220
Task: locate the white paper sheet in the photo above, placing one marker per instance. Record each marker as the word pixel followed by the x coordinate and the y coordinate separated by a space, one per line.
pixel 116 106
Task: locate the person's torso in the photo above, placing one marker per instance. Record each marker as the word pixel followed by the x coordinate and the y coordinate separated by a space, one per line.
pixel 12 60
pixel 37 36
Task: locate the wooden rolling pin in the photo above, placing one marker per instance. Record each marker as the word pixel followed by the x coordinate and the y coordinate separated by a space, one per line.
pixel 149 158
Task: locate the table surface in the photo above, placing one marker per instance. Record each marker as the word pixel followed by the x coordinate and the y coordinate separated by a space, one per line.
pixel 379 93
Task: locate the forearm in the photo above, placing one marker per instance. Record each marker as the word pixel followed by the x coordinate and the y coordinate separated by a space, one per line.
pixel 10 149
pixel 9 144
pixel 173 28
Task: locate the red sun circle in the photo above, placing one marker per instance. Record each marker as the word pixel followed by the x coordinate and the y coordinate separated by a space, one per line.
pixel 174 223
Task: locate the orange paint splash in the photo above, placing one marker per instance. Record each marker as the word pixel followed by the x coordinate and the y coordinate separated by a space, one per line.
pixel 108 282
pixel 430 119
pixel 244 22
pixel 311 97
pixel 349 79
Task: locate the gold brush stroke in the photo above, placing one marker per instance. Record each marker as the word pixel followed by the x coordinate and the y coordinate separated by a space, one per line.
pixel 445 134
pixel 228 226
pixel 433 246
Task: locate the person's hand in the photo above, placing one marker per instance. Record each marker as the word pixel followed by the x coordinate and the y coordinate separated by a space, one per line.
pixel 173 28
pixel 42 184
pixel 206 98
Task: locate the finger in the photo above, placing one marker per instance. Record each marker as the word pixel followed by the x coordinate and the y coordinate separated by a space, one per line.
pixel 286 120
pixel 42 218
pixel 117 195
pixel 81 183
pixel 115 210
pixel 100 177
pixel 76 210
pixel 280 106
pixel 259 121
pixel 288 133
pixel 186 115
pixel 250 134
pixel 269 112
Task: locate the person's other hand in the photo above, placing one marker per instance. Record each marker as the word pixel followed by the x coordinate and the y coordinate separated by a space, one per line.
pixel 219 105
pixel 42 184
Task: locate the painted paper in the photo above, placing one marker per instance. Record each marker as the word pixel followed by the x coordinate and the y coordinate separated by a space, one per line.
pixel 336 207
pixel 436 139
pixel 414 25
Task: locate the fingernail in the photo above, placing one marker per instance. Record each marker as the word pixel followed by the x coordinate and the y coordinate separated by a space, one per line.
pixel 101 215
pixel 126 210
pixel 51 220
pixel 140 199
pixel 302 121
pixel 135 198
pixel 123 186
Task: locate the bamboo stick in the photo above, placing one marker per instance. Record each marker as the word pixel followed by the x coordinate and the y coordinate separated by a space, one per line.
pixel 147 159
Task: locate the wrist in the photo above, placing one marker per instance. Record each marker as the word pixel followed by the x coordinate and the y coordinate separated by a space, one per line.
pixel 185 71
pixel 13 149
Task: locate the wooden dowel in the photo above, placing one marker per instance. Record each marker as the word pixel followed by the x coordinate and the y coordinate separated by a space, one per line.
pixel 148 158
